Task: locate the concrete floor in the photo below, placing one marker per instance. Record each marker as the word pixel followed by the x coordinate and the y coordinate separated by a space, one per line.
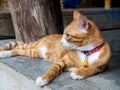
pixel 29 69
pixel 7 82
pixel 13 80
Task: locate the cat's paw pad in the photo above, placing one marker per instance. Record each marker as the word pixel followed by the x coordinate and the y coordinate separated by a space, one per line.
pixel 41 82
pixel 76 77
pixel 5 54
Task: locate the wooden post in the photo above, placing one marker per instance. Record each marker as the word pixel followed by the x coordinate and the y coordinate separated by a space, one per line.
pixel 107 4
pixel 35 18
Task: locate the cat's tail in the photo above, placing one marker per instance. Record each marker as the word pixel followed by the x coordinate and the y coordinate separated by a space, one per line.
pixel 19 49
pixel 10 46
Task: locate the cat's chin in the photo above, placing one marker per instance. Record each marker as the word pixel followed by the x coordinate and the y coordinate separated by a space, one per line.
pixel 72 46
pixel 86 47
pixel 69 48
pixel 82 48
pixel 66 45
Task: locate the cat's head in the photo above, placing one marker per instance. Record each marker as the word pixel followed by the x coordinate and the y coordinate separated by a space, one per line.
pixel 81 34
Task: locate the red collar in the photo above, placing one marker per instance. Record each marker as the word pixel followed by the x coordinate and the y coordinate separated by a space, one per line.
pixel 94 50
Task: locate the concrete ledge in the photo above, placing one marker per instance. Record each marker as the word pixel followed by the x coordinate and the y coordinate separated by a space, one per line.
pixel 12 80
pixel 24 71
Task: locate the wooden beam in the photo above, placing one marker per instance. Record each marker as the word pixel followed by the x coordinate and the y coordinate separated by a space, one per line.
pixel 104 18
pixel 6 25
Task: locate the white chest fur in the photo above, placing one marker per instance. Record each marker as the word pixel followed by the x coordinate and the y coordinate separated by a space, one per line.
pixel 91 58
pixel 43 50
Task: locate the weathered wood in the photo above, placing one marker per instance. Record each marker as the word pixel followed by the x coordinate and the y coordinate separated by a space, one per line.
pixel 6 25
pixel 5 14
pixel 105 19
pixel 35 18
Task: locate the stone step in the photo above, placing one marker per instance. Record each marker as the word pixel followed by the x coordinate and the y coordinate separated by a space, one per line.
pixel 13 80
pixel 23 71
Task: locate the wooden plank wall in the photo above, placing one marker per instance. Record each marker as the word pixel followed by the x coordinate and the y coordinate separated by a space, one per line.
pixel 104 18
pixel 6 25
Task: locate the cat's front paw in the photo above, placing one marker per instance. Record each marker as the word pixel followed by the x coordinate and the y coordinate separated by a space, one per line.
pixel 41 82
pixel 76 77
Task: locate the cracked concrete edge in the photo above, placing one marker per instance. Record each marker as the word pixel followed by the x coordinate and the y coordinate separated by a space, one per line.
pixel 22 82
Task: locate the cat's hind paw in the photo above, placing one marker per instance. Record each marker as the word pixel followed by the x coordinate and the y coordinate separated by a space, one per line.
pixel 41 82
pixel 5 54
pixel 75 76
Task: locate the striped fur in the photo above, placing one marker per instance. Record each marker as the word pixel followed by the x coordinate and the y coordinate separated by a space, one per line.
pixel 10 46
pixel 65 51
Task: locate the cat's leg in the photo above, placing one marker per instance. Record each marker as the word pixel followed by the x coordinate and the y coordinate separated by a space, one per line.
pixel 53 71
pixel 5 54
pixel 19 45
pixel 33 53
pixel 85 72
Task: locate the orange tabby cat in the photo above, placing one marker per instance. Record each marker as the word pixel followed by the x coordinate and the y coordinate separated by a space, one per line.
pixel 82 50
pixel 4 5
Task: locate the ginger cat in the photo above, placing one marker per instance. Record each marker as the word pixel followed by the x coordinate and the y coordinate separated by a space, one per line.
pixel 82 50
pixel 4 5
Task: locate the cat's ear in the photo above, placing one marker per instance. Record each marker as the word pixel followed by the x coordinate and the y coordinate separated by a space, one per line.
pixel 76 13
pixel 83 23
